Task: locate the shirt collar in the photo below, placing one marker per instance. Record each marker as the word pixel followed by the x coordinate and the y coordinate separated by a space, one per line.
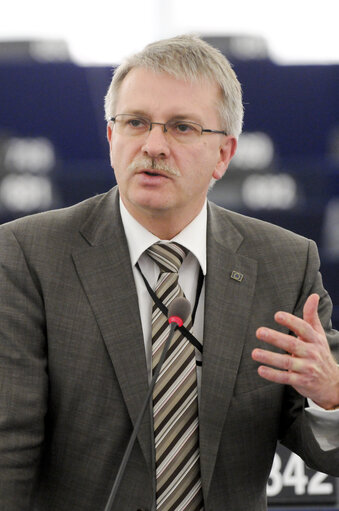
pixel 193 237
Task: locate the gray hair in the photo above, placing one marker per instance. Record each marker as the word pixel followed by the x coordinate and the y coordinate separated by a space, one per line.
pixel 186 57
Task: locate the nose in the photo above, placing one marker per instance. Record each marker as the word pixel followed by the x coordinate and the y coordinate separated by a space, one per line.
pixel 156 143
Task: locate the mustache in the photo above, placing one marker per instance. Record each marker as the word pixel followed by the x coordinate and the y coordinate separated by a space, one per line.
pixel 154 164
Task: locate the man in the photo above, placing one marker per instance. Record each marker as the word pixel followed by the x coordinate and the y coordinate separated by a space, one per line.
pixel 76 329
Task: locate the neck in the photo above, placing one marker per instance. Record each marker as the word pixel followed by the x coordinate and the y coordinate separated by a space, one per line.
pixel 163 224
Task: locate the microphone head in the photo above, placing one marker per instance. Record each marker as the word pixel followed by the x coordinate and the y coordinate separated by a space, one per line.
pixel 180 307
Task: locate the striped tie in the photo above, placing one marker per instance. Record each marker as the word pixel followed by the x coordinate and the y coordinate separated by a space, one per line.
pixel 175 397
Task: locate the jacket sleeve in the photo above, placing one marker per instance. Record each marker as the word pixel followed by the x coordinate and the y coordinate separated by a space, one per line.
pixel 297 432
pixel 23 375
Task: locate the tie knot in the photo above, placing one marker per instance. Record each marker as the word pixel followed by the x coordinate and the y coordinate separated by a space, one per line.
pixel 168 256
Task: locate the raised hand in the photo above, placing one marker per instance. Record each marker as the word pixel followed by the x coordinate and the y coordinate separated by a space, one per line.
pixel 308 364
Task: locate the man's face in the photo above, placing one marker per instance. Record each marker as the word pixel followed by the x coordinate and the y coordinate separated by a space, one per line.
pixel 146 191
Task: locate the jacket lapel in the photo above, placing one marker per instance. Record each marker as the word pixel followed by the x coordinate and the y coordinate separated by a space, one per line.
pixel 230 284
pixel 105 271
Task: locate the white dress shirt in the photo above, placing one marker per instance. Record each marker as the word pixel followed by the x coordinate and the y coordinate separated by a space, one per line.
pixel 324 423
pixel 139 239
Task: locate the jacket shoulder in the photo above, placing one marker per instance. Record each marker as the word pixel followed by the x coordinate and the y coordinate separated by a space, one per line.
pixel 60 224
pixel 254 231
pixel 68 216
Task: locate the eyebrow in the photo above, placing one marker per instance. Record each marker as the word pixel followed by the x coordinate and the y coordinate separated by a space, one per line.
pixel 178 117
pixel 139 113
pixel 188 117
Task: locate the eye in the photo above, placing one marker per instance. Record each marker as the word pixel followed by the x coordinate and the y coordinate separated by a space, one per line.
pixel 186 128
pixel 183 127
pixel 136 123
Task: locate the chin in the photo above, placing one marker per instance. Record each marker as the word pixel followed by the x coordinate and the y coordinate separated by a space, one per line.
pixel 151 201
pixel 154 208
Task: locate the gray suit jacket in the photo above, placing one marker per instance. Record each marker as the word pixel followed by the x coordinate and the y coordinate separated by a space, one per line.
pixel 73 371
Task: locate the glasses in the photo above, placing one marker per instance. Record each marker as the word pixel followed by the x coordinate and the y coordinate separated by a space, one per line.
pixel 182 131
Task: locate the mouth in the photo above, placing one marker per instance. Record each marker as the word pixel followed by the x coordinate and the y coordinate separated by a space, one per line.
pixel 153 173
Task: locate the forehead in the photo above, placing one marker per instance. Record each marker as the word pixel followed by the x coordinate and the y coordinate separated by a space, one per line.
pixel 155 93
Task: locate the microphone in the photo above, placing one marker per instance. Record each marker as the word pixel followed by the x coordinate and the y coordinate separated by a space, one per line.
pixel 178 312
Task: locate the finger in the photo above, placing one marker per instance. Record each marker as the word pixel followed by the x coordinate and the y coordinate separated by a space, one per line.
pixel 300 327
pixel 278 360
pixel 276 376
pixel 285 342
pixel 310 313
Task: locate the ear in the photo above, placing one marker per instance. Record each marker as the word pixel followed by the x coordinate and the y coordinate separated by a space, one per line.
pixel 226 153
pixel 109 138
pixel 109 132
